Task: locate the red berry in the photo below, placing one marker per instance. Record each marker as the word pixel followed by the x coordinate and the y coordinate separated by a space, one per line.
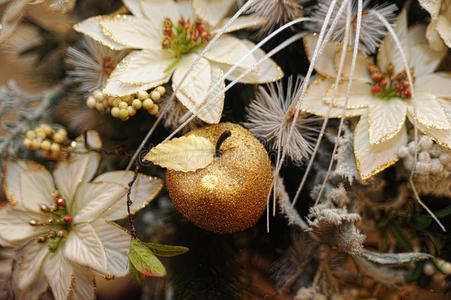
pixel 68 219
pixel 407 94
pixel 383 83
pixel 405 85
pixel 376 89
pixel 61 202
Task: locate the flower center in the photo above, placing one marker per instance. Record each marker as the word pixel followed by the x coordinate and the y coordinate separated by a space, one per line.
pixel 388 85
pixel 58 223
pixel 291 113
pixel 183 37
pixel 108 66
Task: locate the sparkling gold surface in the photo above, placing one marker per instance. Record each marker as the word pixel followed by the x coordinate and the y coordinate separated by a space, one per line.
pixel 244 177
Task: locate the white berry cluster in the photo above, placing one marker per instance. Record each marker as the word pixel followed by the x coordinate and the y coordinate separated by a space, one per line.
pixel 126 106
pixel 46 139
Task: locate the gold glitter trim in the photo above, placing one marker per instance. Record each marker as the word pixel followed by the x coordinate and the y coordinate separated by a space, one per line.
pixel 433 137
pixel 309 55
pixel 108 33
pixel 357 160
pixel 388 136
pixel 99 18
pixel 338 105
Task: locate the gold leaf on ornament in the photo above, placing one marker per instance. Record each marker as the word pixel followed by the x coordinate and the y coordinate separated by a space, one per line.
pixel 186 154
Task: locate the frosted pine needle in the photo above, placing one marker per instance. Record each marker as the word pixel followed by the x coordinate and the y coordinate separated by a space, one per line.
pixel 276 12
pixel 372 30
pixel 93 64
pixel 271 114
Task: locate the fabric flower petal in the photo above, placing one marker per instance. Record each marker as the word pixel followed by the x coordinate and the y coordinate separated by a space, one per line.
pixel 34 291
pixel 428 111
pixel 83 284
pixel 372 159
pixel 361 72
pixel 444 28
pixel 437 84
pixel 93 199
pixel 147 67
pixel 91 27
pixel 312 101
pixel 133 32
pixel 29 262
pixel 36 187
pixel 157 10
pixel 239 23
pixel 144 190
pixel 14 227
pixel 212 12
pixel 388 51
pixel 229 50
pixel 134 7
pixel 325 61
pixel 58 271
pixel 116 242
pixel 385 119
pixel 359 97
pixel 196 84
pixel 11 183
pixel 266 70
pixel 69 174
pixel 84 247
pixel 440 136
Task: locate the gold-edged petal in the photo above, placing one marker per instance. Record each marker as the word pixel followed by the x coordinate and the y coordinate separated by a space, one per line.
pixel 29 264
pixel 388 51
pixel 83 284
pixel 243 22
pixel 427 110
pixel 157 10
pixel 72 172
pixel 361 72
pixel 134 7
pixel 93 199
pixel 115 87
pixel 212 12
pixel 372 159
pixel 147 66
pixel 359 97
pixel 14 227
pixel 437 84
pixel 265 71
pixel 36 187
pixel 444 27
pixel 116 242
pixel 440 136
pixel 196 84
pixel 144 190
pixel 58 271
pixel 84 247
pixel 11 183
pixel 313 104
pixel 325 61
pixel 228 50
pixel 91 27
pixel 385 119
pixel 132 32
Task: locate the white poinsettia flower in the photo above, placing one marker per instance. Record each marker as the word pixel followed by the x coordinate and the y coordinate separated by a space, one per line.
pixel 382 96
pixel 62 225
pixel 168 37
pixel 438 31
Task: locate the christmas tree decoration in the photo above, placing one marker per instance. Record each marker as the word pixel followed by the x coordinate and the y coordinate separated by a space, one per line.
pixel 230 193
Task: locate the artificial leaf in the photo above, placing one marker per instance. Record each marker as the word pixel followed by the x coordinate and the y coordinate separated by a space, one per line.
pixel 394 258
pixel 187 153
pixel 401 237
pixel 136 275
pixel 166 250
pixel 144 260
pixel 415 273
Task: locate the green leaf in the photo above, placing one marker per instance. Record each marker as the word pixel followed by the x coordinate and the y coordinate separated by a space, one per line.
pixel 166 250
pixel 135 274
pixel 401 237
pixel 394 258
pixel 144 260
pixel 415 273
pixel 383 240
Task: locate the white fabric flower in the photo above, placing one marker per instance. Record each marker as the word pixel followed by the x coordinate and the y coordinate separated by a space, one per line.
pixel 438 32
pixel 81 235
pixel 383 109
pixel 165 50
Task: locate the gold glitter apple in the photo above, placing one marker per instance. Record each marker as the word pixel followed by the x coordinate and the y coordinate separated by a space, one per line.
pixel 229 194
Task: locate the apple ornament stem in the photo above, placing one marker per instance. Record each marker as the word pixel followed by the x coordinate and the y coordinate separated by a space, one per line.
pixel 218 176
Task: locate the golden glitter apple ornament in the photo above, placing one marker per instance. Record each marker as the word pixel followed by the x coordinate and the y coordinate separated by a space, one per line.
pixel 218 176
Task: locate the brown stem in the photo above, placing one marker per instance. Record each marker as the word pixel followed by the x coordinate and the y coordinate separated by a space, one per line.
pixel 129 202
pixel 225 135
